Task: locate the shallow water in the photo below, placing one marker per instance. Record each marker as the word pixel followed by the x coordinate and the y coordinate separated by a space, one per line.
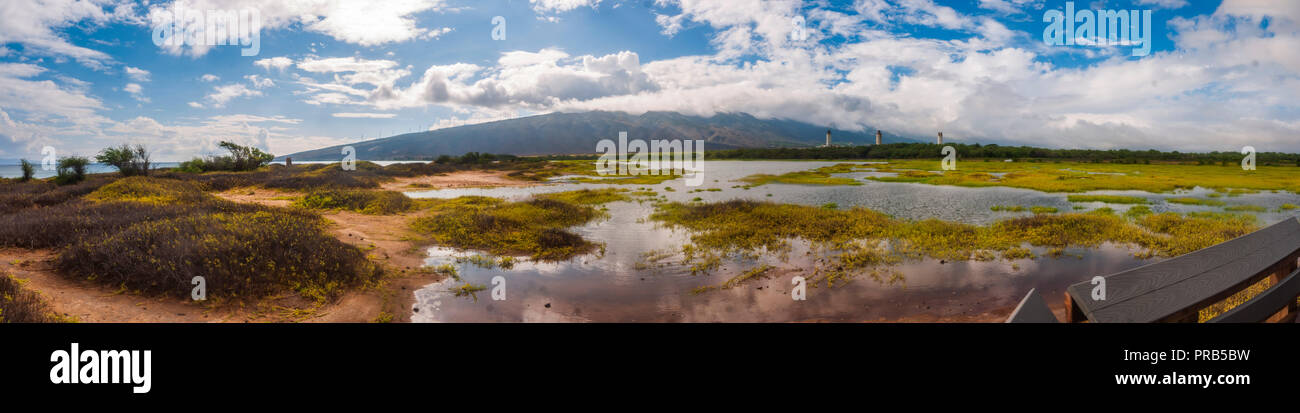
pixel 611 288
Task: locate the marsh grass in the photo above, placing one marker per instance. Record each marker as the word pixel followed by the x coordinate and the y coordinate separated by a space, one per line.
pixel 1195 201
pixel 857 237
pixel 535 228
pixel 1083 177
pixel 819 176
pixel 1109 199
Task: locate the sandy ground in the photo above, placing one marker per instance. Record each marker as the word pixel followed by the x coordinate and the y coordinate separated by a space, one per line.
pixel 94 303
pixel 461 179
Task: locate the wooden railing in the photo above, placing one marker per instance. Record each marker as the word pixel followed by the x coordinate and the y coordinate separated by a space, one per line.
pixel 1177 289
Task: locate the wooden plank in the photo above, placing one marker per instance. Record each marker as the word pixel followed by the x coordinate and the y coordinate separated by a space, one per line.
pixel 1032 309
pixel 1219 282
pixel 1139 281
pixel 1264 305
pixel 1187 280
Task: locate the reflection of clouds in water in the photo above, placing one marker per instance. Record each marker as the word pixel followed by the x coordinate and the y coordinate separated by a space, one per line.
pixel 610 288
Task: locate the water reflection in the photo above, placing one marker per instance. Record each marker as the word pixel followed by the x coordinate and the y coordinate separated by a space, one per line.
pixel 616 287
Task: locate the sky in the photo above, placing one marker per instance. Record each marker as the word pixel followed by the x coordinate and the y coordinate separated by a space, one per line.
pixel 80 75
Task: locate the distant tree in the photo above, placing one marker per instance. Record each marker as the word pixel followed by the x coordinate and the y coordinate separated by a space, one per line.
pixel 241 158
pixel 71 170
pixel 130 161
pixel 29 171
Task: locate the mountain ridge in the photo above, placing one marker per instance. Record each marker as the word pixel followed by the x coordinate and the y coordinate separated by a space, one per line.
pixel 577 133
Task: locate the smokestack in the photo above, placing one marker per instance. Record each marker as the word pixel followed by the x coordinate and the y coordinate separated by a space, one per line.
pixel 828 138
pixel 941 138
pixel 878 138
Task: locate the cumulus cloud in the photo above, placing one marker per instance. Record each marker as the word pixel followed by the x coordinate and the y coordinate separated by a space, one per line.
pixel 137 74
pixel 363 23
pixel 277 63
pixel 37 25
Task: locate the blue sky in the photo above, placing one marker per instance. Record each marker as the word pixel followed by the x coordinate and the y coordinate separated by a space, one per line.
pixel 78 75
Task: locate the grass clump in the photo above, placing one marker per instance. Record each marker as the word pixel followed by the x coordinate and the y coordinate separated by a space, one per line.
pixel 744 227
pixel 1245 208
pixel 1043 210
pixel 372 202
pixel 1109 199
pixel 819 176
pixel 588 196
pixel 534 227
pixel 1006 208
pixel 1194 201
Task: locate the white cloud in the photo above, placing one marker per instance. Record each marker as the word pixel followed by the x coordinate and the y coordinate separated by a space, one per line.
pixel 259 82
pixel 137 74
pixel 560 6
pixel 353 115
pixel 364 23
pixel 1164 4
pixel 222 94
pixel 37 25
pixel 210 78
pixel 136 92
pixel 277 63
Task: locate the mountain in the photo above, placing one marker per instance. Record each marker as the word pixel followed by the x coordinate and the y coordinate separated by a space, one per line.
pixel 577 133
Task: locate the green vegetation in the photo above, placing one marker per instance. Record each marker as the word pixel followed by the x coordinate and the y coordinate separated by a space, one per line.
pixel 71 170
pixel 751 274
pixel 152 235
pixel 1109 199
pixel 153 191
pixel 241 158
pixel 130 161
pixel 1288 207
pixel 20 305
pixel 1194 201
pixel 29 171
pixel 1245 208
pixel 534 227
pixel 819 176
pixel 745 227
pixel 1043 210
pixel 1005 208
pixel 468 290
pixel 998 152
pixel 373 202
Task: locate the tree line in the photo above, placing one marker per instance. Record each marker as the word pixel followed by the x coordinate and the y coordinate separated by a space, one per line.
pixel 998 152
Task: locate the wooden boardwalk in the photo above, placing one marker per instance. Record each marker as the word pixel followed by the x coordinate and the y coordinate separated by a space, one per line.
pixel 1176 290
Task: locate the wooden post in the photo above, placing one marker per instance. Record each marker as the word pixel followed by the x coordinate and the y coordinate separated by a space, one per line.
pixel 1073 314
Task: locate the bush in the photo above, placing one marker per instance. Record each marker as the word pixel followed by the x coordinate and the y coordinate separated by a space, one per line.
pixel 20 305
pixel 364 201
pixel 29 171
pixel 71 170
pixel 241 158
pixel 240 255
pixel 129 161
pixel 150 190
